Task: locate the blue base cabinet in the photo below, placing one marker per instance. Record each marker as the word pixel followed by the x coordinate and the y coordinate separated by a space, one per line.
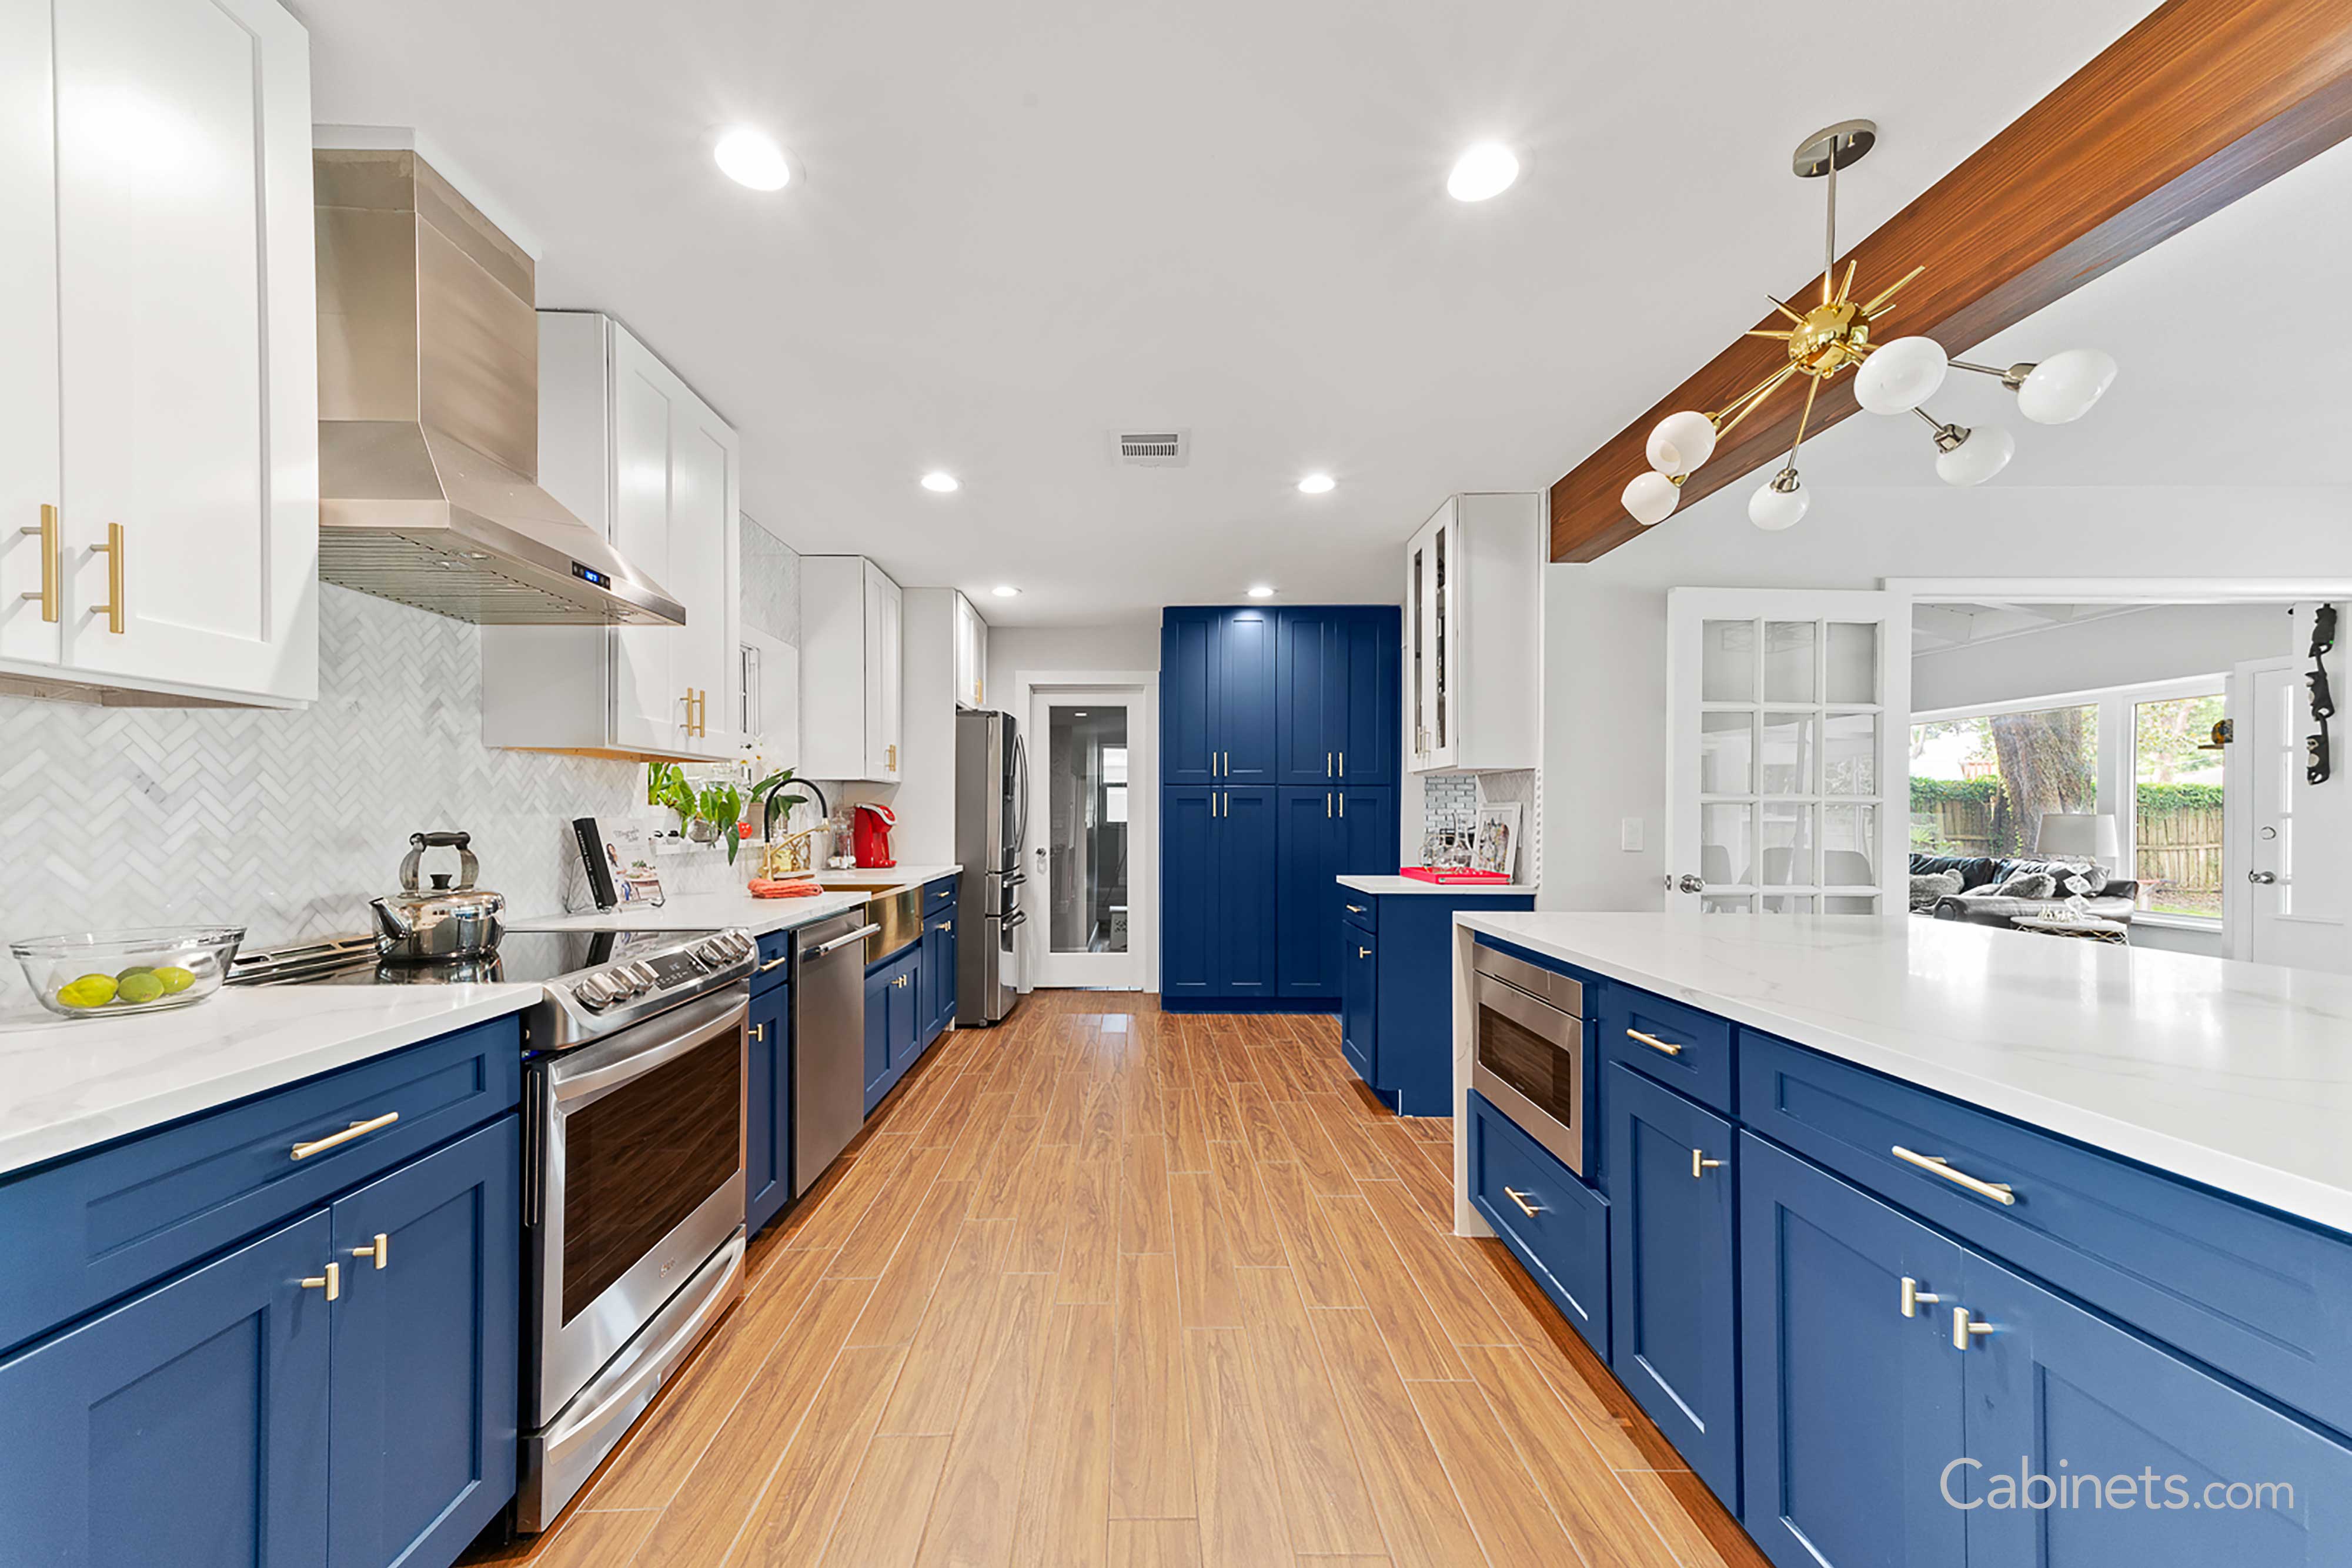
pixel 768 1107
pixel 1326 833
pixel 197 1412
pixel 894 1024
pixel 1674 1306
pixel 937 985
pixel 1865 1401
pixel 2064 1360
pixel 1396 1015
pixel 230 1412
pixel 424 1353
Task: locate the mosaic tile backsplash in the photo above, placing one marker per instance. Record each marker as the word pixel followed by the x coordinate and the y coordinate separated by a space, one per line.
pixel 289 822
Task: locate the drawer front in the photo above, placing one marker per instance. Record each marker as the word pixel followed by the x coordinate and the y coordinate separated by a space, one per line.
pixel 1564 1242
pixel 938 895
pixel 2258 1296
pixel 1359 909
pixel 775 960
pixel 116 1220
pixel 1680 1047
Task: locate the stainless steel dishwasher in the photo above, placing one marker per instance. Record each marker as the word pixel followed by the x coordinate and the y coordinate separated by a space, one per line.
pixel 828 1042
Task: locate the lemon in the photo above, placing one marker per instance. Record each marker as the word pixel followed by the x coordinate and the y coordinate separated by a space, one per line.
pixel 139 987
pixel 89 991
pixel 175 980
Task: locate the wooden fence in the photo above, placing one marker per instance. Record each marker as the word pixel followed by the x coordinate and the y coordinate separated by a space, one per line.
pixel 2179 849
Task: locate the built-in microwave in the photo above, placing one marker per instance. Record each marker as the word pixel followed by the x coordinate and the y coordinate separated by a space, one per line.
pixel 1530 1063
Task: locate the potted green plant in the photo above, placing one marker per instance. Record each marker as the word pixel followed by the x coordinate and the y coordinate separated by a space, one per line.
pixel 712 814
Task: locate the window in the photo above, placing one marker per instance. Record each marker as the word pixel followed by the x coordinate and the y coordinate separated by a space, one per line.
pixel 2176 807
pixel 1982 783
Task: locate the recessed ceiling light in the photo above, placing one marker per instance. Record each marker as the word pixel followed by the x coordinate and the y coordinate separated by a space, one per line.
pixel 751 158
pixel 1316 484
pixel 938 481
pixel 1005 590
pixel 1261 591
pixel 1486 170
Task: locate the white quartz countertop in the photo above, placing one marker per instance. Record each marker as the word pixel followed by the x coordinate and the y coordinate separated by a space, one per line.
pixel 762 916
pixel 70 1083
pixel 2236 1075
pixel 1387 886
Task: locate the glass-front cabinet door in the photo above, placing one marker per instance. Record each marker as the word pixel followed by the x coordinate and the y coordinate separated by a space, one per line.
pixel 1432 566
pixel 1787 776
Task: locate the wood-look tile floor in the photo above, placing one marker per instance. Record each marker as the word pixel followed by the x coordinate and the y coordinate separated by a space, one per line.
pixel 1108 1286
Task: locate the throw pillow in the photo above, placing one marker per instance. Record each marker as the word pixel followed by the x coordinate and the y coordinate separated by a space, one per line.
pixel 1926 889
pixel 2028 884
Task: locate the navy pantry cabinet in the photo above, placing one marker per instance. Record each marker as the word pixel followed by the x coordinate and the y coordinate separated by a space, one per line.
pixel 336 1384
pixel 1280 754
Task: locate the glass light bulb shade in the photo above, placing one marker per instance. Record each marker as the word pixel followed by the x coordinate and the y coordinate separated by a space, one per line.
pixel 1485 169
pixel 1681 443
pixel 751 158
pixel 2062 388
pixel 1773 510
pixel 1900 375
pixel 1984 453
pixel 1652 499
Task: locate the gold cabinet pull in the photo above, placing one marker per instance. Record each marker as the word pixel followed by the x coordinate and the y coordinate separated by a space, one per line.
pixel 1935 1164
pixel 1966 1328
pixel 1701 1164
pixel 380 1250
pixel 112 608
pixel 1343 805
pixel 1355 909
pixel 774 963
pixel 356 1130
pixel 331 1282
pixel 1343 765
pixel 52 563
pixel 1654 1042
pixel 1913 1296
pixel 1326 765
pixel 1363 952
pixel 1326 805
pixel 1516 1196
pixel 759 1032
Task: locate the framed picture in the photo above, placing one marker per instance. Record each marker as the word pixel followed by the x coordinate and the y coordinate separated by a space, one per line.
pixel 1497 848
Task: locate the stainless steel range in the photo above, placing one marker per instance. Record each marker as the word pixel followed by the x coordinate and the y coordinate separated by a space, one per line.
pixel 633 1154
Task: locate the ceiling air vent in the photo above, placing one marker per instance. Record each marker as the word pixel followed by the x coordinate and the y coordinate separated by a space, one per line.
pixel 1154 448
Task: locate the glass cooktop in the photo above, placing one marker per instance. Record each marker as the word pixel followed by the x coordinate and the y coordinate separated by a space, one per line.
pixel 525 957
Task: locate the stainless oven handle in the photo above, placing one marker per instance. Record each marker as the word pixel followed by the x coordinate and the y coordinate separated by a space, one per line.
pixel 650 1044
pixel 657 1362
pixel 822 948
pixel 1561 1030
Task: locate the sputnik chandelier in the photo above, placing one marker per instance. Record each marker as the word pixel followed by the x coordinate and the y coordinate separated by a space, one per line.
pixel 1893 377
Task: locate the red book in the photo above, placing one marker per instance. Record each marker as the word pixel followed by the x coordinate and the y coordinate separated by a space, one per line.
pixel 1447 874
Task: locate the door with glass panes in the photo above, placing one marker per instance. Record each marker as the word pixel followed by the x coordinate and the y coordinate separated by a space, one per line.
pixel 1788 776
pixel 1085 866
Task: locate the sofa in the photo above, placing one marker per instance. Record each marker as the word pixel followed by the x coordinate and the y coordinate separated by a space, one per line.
pixel 2115 901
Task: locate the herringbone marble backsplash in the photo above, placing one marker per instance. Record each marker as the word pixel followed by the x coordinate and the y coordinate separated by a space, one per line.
pixel 287 822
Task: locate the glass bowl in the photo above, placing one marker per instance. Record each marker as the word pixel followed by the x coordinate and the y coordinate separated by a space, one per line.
pixel 104 974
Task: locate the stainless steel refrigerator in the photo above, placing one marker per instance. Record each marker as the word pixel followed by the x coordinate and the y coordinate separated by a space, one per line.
pixel 992 826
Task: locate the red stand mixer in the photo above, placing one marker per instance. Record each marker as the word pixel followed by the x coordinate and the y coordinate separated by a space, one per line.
pixel 870 840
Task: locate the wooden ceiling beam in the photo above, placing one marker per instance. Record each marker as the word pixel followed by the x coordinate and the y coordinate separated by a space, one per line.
pixel 2200 103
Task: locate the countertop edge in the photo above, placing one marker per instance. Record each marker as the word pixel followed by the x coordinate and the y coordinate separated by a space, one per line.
pixel 1385 885
pixel 2305 1197
pixel 63 1139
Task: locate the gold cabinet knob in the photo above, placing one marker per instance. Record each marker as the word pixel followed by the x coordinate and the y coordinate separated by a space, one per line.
pixel 380 1250
pixel 1913 1296
pixel 1966 1328
pixel 331 1282
pixel 1701 1164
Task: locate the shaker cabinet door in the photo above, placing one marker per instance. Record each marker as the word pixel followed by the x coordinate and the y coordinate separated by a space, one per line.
pixel 1844 1397
pixel 1187 681
pixel 768 1109
pixel 1246 728
pixel 196 1413
pixel 1188 824
pixel 424 1341
pixel 1246 833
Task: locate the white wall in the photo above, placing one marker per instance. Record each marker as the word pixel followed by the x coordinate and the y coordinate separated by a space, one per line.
pixel 1605 644
pixel 2160 643
pixel 1127 645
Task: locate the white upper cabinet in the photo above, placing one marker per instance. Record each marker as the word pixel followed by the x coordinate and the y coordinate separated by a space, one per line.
pixel 1474 635
pixel 971 655
pixel 635 454
pixel 852 670
pixel 157 316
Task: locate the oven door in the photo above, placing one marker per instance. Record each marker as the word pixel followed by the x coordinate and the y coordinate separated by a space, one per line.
pixel 1530 1065
pixel 639 1168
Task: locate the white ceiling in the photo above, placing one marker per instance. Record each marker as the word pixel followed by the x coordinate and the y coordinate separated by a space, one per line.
pixel 1017 227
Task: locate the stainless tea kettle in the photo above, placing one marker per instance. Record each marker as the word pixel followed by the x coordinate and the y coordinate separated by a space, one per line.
pixel 417 925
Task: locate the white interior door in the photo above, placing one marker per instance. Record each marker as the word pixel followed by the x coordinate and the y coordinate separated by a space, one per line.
pixel 1789 711
pixel 1088 848
pixel 2293 838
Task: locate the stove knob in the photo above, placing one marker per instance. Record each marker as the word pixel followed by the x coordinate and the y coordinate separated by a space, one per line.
pixel 647 976
pixel 715 953
pixel 743 945
pixel 591 994
pixel 620 983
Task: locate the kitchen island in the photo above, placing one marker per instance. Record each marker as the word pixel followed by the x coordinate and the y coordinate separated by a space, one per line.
pixel 1886 1221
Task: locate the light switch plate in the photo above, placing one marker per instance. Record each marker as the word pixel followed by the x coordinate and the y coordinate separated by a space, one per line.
pixel 1628 834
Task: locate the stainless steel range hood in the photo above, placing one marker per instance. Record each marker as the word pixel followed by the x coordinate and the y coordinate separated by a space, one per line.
pixel 428 414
